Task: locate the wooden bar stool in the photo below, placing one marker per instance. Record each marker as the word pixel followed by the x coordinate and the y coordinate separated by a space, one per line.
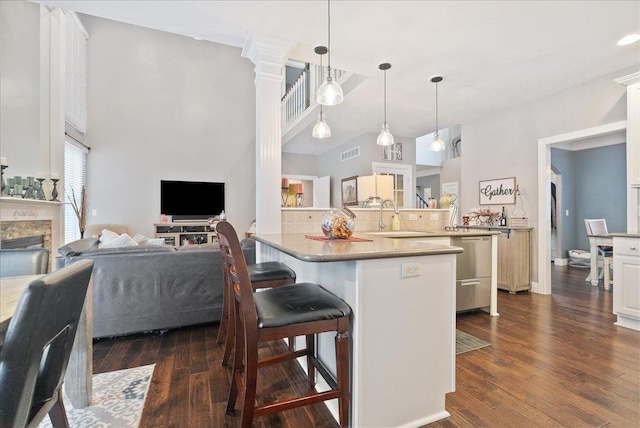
pixel 262 275
pixel 303 309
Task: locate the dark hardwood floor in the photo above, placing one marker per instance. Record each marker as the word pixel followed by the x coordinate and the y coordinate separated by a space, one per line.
pixel 554 361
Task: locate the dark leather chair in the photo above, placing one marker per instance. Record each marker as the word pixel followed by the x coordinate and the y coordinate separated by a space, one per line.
pixel 262 275
pixel 24 261
pixel 302 309
pixel 38 341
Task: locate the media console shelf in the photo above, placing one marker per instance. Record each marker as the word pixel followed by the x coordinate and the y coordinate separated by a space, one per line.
pixel 186 233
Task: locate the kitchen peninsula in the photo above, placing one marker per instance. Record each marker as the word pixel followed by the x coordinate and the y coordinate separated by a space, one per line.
pixel 402 293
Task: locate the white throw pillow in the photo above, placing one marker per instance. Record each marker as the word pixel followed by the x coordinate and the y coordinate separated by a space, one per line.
pixel 143 240
pixel 107 235
pixel 123 240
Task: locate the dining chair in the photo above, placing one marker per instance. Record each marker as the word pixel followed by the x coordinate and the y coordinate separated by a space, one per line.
pixel 301 309
pixel 24 261
pixel 598 226
pixel 262 275
pixel 38 341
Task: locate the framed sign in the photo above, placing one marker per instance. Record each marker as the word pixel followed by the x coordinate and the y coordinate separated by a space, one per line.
pixel 393 152
pixel 501 191
pixel 350 191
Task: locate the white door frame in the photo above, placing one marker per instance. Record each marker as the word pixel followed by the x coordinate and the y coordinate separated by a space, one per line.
pixel 544 193
pixel 408 183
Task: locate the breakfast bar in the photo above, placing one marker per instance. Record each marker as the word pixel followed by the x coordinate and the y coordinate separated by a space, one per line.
pixel 402 294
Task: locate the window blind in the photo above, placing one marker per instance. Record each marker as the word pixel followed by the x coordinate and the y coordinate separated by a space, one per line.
pixel 75 176
pixel 75 99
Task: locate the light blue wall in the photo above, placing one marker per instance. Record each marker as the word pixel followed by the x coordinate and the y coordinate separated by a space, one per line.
pixel 593 186
pixel 601 190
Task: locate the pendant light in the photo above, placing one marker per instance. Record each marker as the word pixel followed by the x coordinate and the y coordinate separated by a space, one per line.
pixel 437 145
pixel 385 138
pixel 321 128
pixel 330 92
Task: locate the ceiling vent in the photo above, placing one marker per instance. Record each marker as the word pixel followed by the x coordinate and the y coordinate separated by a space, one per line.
pixel 350 154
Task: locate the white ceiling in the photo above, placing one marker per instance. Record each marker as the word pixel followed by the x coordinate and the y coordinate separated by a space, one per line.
pixel 494 54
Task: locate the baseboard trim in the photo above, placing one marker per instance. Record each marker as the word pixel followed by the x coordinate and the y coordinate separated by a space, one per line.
pixel 560 262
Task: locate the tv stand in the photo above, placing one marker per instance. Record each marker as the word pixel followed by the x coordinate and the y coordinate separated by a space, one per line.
pixel 186 233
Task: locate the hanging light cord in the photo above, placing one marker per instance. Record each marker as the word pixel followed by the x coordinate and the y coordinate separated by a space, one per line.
pixel 329 33
pixel 321 67
pixel 385 97
pixel 437 133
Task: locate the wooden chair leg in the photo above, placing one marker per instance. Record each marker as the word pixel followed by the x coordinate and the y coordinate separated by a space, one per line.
pixel 342 375
pixel 230 337
pixel 311 352
pixel 292 343
pixel 249 384
pixel 57 413
pixel 238 368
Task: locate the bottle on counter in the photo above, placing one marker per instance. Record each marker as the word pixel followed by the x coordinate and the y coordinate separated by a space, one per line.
pixel 223 216
pixel 503 218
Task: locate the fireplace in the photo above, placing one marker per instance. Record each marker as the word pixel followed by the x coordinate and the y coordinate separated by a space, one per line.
pixel 30 222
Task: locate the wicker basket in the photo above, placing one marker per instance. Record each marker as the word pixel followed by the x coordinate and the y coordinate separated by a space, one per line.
pixel 518 221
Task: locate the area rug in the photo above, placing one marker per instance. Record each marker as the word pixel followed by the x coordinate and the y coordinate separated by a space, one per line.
pixel 118 400
pixel 466 342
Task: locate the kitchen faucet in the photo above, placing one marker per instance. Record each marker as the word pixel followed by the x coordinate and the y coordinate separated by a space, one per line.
pixel 381 224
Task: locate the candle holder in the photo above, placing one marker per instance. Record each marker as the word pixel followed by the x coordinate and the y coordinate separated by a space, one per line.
pixel 39 190
pixel 300 199
pixel 285 196
pixel 3 186
pixel 54 191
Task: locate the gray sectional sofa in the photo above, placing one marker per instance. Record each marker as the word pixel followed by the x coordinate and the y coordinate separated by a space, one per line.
pixel 150 288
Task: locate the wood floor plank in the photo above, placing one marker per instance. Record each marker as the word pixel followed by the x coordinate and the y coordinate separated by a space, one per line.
pixel 553 361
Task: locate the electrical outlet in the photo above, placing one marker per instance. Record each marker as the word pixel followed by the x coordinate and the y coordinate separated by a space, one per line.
pixel 435 217
pixel 94 212
pixel 411 269
pixel 413 216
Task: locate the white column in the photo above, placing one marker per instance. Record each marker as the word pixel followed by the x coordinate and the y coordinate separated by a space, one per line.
pixel 269 55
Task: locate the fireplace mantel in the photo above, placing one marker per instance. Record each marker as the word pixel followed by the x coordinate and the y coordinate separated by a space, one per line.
pixel 18 209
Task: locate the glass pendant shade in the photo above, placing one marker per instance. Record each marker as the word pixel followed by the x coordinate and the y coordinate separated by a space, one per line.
pixel 321 128
pixel 437 145
pixel 330 92
pixel 385 138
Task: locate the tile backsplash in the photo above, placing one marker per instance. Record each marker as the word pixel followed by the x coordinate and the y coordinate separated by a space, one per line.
pixel 307 220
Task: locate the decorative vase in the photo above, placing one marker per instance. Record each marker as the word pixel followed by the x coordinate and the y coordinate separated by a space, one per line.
pixel 337 224
pixel 446 200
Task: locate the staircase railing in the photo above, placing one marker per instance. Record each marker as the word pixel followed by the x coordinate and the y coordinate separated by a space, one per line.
pixel 302 94
pixel 420 202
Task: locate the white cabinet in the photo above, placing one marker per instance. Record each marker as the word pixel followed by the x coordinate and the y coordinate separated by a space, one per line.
pixel 187 233
pixel 626 281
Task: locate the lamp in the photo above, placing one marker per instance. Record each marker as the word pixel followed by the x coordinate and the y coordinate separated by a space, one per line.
pixel 385 138
pixel 330 92
pixel 374 189
pixel 321 128
pixel 437 145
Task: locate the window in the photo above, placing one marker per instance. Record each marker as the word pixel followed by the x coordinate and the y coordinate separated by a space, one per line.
pixel 75 83
pixel 75 176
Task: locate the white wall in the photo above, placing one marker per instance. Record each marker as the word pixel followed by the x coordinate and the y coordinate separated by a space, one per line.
pixel 163 106
pixel 20 88
pixel 329 163
pixel 505 144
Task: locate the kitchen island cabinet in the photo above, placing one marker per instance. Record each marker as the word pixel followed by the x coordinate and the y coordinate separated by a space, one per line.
pixel 626 280
pixel 514 257
pixel 402 294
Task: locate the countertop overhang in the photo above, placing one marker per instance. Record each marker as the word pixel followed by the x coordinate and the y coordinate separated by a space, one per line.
pixel 309 250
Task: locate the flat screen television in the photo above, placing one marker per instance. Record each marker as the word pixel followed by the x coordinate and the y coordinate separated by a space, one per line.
pixel 191 200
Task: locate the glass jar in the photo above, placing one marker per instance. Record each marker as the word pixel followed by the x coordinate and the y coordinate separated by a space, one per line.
pixel 337 224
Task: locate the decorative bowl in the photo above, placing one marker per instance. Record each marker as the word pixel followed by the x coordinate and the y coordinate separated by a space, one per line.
pixel 337 224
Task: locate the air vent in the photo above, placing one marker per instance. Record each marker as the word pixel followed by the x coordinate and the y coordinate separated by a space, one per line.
pixel 349 154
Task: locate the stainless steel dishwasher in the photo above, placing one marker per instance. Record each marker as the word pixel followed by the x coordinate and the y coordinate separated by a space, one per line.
pixel 473 272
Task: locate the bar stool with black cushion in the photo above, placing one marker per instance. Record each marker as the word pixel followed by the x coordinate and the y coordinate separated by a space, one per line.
pixel 303 309
pixel 37 347
pixel 262 275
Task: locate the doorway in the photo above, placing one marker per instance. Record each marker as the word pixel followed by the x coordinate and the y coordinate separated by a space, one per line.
pixel 544 192
pixel 402 182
